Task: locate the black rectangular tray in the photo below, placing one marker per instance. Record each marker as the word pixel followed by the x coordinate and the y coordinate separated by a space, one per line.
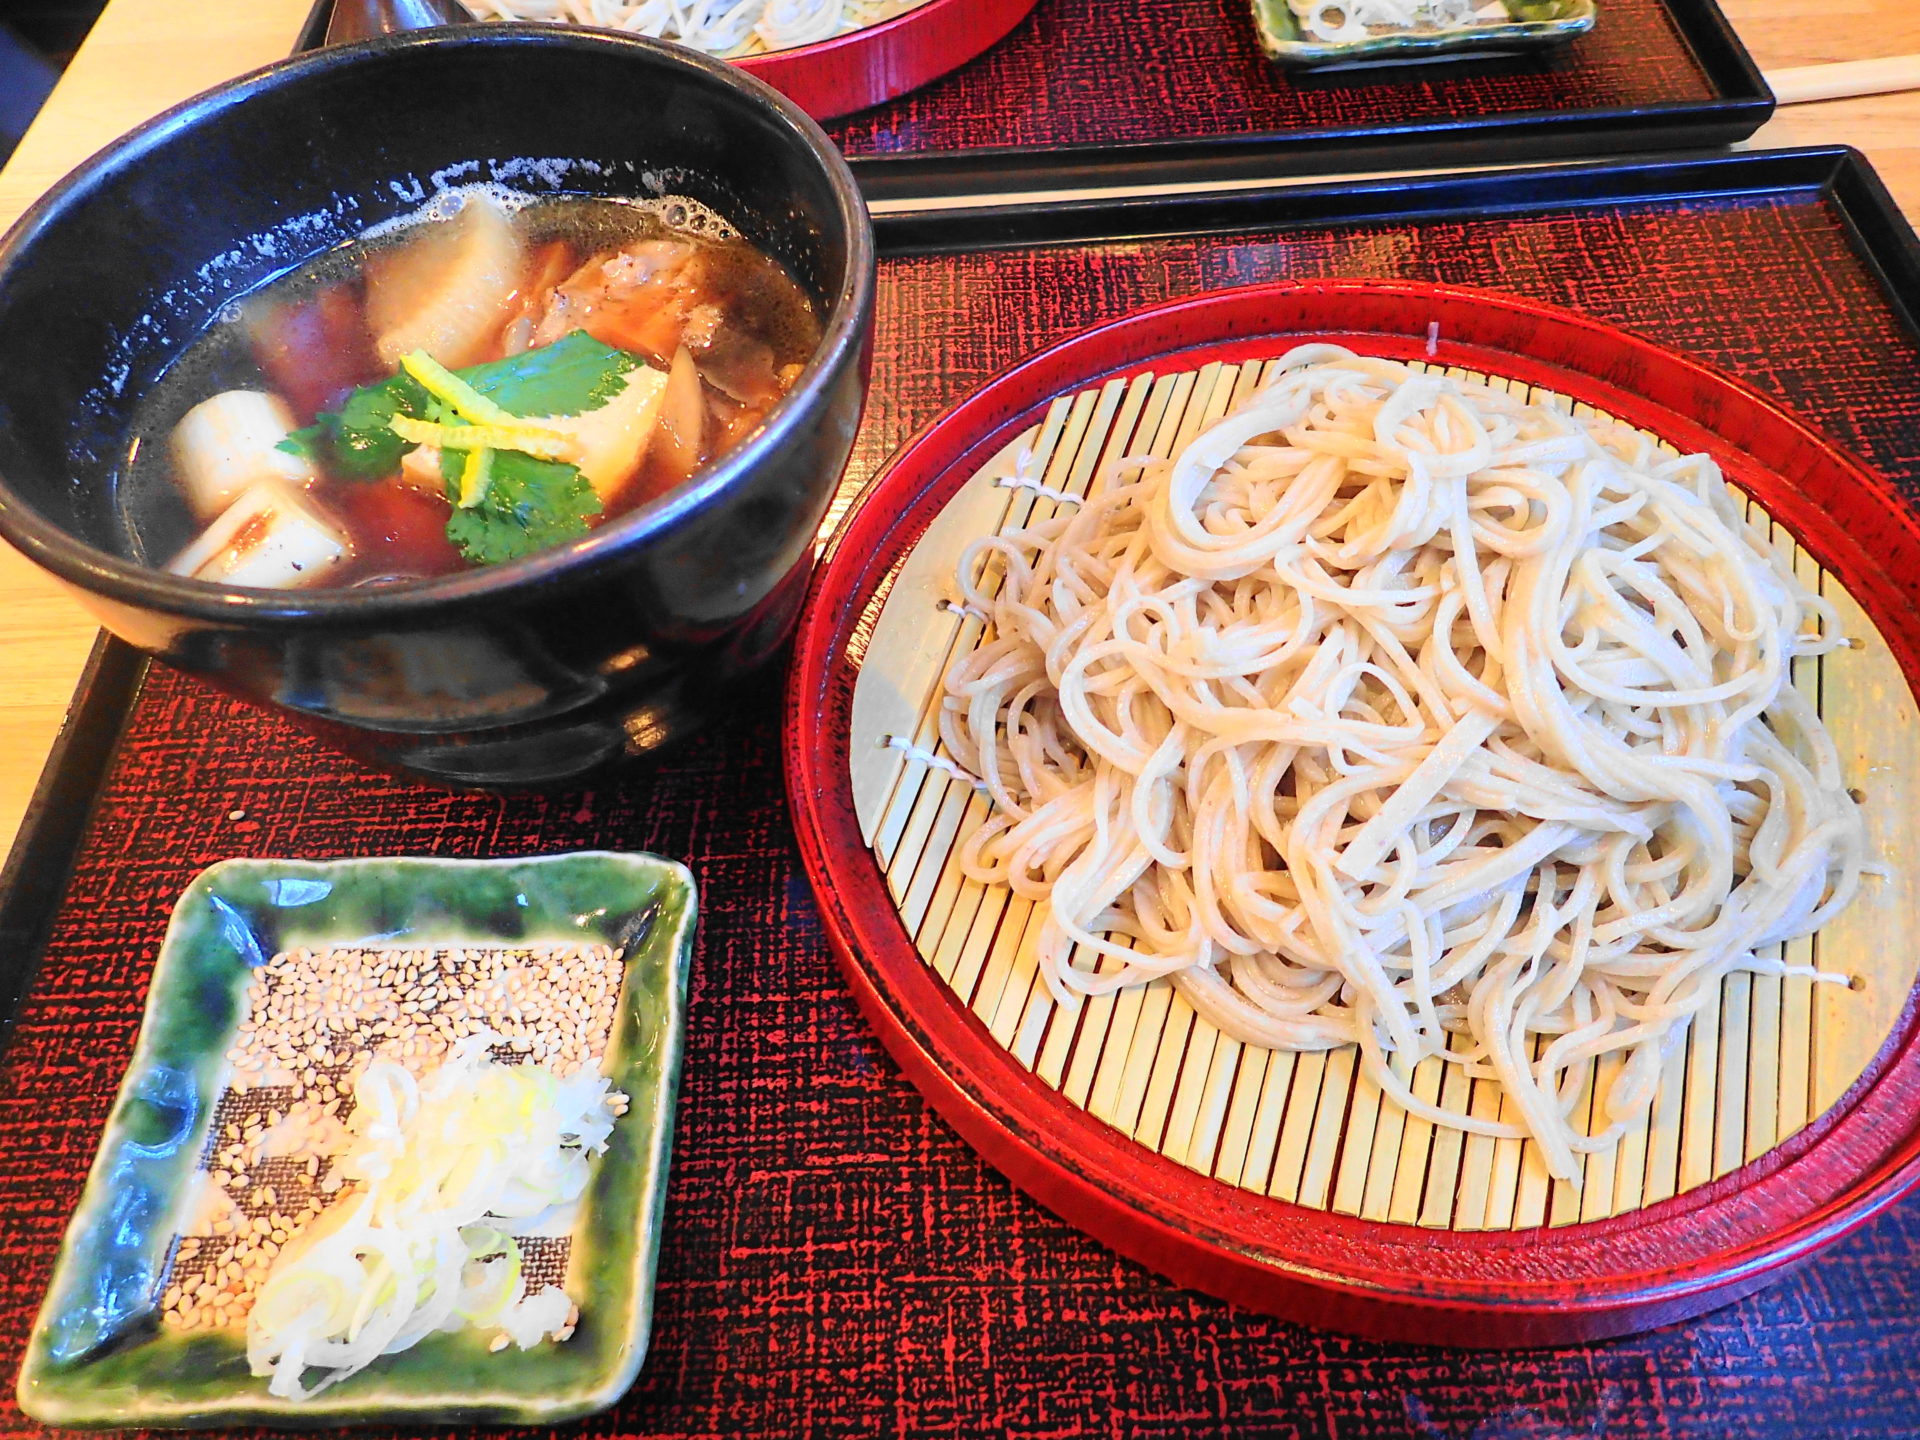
pixel 1101 93
pixel 839 1262
pixel 54 825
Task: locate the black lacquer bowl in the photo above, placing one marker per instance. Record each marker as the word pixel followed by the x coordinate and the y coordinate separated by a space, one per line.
pixel 541 671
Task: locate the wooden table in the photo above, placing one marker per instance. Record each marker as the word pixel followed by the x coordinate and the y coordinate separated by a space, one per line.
pixel 144 55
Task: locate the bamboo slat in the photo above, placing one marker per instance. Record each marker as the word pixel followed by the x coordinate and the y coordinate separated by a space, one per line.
pixel 1313 1129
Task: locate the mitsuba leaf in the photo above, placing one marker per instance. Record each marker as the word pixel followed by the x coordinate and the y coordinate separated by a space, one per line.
pixel 307 442
pixel 529 505
pixel 356 442
pixel 569 377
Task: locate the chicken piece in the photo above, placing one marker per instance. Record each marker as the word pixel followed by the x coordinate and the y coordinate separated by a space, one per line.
pixel 658 296
pixel 271 538
pixel 226 443
pixel 547 267
pixel 446 290
pixel 730 422
pixel 636 299
pixel 730 356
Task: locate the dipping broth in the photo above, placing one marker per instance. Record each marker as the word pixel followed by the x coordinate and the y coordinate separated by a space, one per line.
pixel 477 383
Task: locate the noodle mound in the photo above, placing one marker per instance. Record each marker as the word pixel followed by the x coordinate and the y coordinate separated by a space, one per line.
pixel 730 28
pixel 1400 713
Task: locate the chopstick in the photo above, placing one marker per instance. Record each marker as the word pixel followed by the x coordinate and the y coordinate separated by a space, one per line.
pixel 1802 84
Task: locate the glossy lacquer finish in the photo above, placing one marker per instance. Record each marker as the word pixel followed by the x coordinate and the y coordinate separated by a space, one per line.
pixel 1093 93
pixel 99 1355
pixel 854 71
pixel 529 673
pixel 1669 1261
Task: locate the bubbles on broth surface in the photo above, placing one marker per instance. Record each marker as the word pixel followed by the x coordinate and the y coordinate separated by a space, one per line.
pixel 448 203
pixel 154 520
pixel 675 212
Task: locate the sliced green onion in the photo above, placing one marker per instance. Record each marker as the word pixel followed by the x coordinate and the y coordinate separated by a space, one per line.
pixel 451 1165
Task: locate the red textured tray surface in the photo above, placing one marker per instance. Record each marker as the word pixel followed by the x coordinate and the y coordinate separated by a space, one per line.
pixel 1115 72
pixel 835 1261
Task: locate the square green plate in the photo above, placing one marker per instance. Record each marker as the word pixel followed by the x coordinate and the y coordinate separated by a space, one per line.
pixel 99 1357
pixel 1531 24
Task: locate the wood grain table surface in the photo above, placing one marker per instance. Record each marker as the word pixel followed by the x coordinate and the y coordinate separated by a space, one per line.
pixel 144 55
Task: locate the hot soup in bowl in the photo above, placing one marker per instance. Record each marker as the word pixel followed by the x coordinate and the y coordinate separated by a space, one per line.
pixel 488 439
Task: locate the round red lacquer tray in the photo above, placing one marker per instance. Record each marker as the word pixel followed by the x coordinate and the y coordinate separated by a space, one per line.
pixel 1665 1261
pixel 853 71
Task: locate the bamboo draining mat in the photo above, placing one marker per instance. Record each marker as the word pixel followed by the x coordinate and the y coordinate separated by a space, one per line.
pixel 1310 1128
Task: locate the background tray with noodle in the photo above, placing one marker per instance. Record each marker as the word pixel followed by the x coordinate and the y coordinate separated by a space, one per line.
pixel 1090 93
pixel 862 68
pixel 836 1260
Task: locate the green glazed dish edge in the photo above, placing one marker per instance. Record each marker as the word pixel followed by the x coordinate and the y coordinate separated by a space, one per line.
pixel 99 1358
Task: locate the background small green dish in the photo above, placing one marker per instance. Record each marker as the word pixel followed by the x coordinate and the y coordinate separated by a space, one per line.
pixel 1533 24
pixel 98 1356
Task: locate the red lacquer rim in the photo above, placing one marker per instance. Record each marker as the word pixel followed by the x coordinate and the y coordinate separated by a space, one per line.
pixel 854 71
pixel 1662 1263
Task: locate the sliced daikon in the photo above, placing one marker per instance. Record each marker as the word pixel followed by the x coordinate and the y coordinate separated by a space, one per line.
pixel 446 289
pixel 226 443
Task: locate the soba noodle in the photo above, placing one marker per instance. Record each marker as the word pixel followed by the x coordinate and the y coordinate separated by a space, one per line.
pixel 1397 712
pixel 721 27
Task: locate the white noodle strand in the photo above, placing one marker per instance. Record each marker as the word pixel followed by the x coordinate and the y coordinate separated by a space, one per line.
pixel 730 28
pixel 1397 712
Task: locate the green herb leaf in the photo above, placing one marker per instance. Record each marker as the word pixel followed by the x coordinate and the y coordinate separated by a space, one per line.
pixel 306 443
pixel 529 505
pixel 569 377
pixel 356 442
